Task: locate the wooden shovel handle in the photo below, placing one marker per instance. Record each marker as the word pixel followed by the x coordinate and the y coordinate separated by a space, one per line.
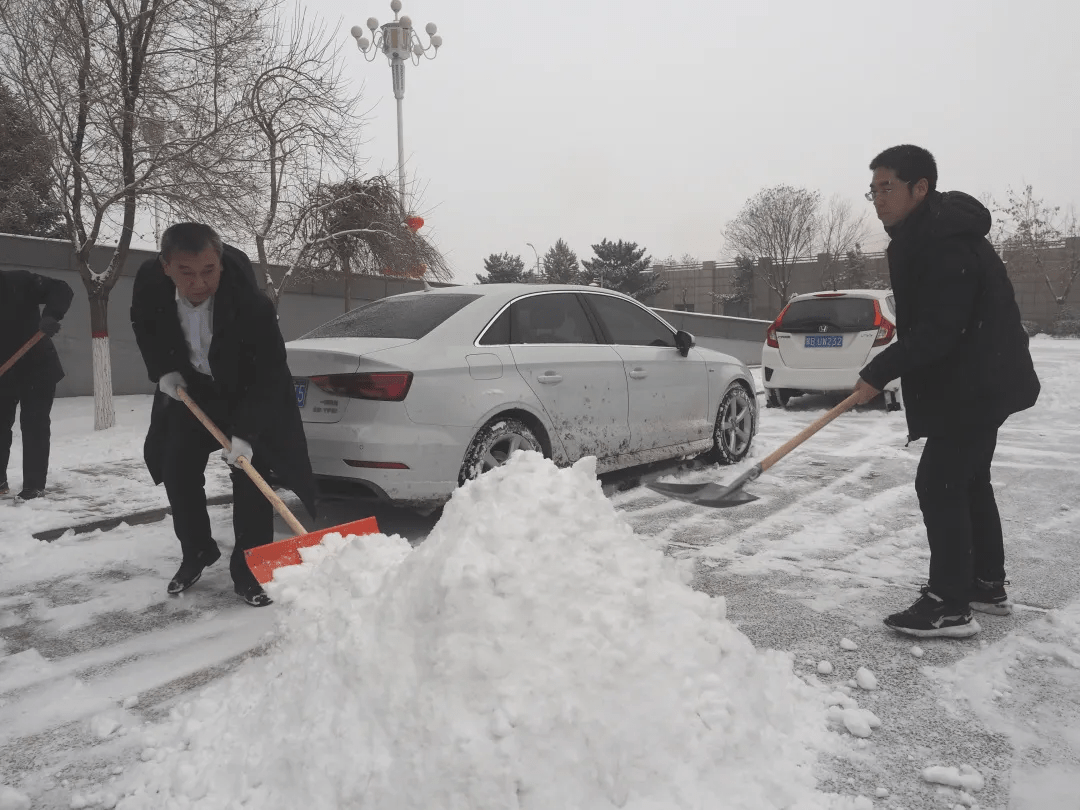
pixel 244 464
pixel 22 350
pixel 807 432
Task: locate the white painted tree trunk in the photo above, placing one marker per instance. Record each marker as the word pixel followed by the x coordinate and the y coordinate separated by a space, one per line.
pixel 104 416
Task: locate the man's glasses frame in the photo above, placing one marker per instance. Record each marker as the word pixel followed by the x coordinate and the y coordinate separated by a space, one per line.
pixel 872 194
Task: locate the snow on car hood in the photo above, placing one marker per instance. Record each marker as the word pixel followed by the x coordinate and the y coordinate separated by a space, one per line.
pixel 532 652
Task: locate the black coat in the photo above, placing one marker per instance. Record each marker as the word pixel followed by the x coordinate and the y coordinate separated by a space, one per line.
pixel 21 293
pixel 247 360
pixel 961 353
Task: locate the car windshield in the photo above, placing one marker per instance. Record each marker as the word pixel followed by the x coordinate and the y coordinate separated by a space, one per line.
pixel 407 317
pixel 837 314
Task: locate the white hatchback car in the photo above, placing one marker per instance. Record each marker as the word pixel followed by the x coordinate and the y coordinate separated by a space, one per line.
pixel 820 341
pixel 407 397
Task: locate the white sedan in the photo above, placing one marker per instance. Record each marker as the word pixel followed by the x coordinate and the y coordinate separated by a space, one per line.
pixel 407 397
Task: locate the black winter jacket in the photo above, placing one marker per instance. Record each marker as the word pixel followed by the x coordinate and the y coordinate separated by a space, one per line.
pixel 21 294
pixel 961 353
pixel 247 360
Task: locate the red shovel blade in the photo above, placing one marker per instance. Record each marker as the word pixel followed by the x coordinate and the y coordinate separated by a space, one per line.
pixel 264 560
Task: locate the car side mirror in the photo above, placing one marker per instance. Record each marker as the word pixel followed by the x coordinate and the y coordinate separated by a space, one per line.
pixel 684 341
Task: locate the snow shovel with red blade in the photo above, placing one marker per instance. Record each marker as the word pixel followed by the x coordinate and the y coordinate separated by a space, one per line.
pixel 20 352
pixel 720 496
pixel 264 560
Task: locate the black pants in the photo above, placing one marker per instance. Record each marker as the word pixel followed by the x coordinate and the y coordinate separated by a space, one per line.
pixel 961 516
pixel 188 445
pixel 35 399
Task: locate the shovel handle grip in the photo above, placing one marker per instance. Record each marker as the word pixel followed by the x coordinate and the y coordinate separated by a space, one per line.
pixel 21 351
pixel 244 464
pixel 807 432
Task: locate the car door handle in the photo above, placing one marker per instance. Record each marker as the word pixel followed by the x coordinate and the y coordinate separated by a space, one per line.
pixel 638 374
pixel 549 378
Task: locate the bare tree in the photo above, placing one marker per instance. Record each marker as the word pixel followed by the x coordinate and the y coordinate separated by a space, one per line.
pixel 139 100
pixel 776 227
pixel 1030 229
pixel 302 127
pixel 738 301
pixel 354 227
pixel 841 232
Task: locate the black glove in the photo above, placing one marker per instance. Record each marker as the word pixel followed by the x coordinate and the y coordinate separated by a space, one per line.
pixel 49 325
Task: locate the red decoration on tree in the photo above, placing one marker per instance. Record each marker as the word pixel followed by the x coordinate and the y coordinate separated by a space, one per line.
pixel 415 223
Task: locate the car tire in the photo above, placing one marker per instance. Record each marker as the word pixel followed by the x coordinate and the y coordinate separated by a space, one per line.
pixel 493 444
pixel 735 425
pixel 777 398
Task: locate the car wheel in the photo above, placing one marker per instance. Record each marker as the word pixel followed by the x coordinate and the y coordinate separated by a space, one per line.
pixel 493 444
pixel 734 429
pixel 778 397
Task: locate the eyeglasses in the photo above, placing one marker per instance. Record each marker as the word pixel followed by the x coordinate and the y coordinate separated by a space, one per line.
pixel 872 194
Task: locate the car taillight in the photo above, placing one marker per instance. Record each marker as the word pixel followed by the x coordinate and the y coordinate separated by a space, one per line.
pixel 770 332
pixel 384 386
pixel 886 330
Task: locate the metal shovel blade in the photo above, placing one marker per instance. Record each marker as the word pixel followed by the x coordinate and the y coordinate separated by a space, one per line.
pixel 711 494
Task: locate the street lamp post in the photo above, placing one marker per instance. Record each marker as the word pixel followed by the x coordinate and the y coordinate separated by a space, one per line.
pixel 399 42
pixel 536 275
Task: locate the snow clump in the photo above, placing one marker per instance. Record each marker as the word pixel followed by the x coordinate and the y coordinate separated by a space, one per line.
pixel 532 652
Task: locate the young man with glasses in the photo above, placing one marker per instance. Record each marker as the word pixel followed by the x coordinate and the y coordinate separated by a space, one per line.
pixel 962 358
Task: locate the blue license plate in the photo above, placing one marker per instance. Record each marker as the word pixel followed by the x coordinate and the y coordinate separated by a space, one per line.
pixel 300 387
pixel 824 341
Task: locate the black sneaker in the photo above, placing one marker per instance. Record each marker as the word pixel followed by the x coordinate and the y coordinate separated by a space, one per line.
pixel 190 572
pixel 933 617
pixel 30 494
pixel 254 596
pixel 990 597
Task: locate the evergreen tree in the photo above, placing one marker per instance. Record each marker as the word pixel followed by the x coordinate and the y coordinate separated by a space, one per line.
pixel 561 265
pixel 27 205
pixel 622 266
pixel 502 268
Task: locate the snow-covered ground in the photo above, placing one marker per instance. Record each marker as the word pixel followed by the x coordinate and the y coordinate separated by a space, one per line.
pixel 550 646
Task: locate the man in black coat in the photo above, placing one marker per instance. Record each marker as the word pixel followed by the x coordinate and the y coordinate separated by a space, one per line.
pixel 962 358
pixel 31 382
pixel 203 325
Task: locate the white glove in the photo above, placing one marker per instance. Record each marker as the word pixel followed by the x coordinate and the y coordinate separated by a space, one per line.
pixel 170 382
pixel 239 448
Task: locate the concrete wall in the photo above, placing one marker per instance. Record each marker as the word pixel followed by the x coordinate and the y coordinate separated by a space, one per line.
pixel 739 337
pixel 695 287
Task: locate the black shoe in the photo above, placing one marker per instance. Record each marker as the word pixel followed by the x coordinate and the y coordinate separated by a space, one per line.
pixel 190 572
pixel 933 617
pixel 30 494
pixel 254 595
pixel 990 597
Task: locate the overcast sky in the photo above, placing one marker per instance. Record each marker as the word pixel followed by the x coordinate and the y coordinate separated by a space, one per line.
pixel 654 122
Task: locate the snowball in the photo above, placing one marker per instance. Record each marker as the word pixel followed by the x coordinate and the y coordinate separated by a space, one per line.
pixel 917 651
pixel 12 799
pixel 848 644
pixel 825 668
pixel 866 679
pixel 964 777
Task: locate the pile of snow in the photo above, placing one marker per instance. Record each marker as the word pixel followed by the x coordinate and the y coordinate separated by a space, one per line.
pixel 532 652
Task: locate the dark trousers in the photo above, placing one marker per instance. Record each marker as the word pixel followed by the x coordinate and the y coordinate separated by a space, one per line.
pixel 188 445
pixel 961 516
pixel 35 400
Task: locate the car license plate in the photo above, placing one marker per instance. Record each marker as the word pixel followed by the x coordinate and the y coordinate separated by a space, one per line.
pixel 300 387
pixel 824 341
